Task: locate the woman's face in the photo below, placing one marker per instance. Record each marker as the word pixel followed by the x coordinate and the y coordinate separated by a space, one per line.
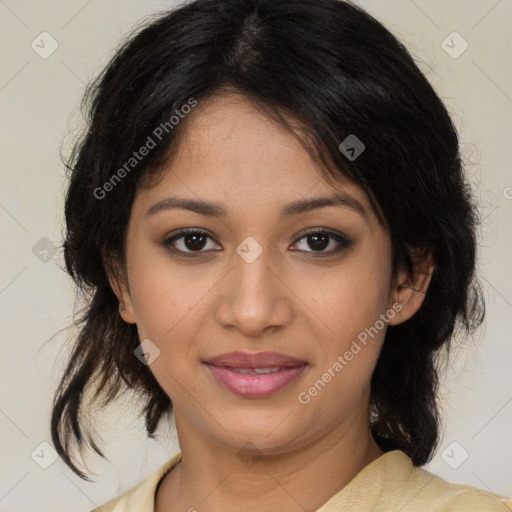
pixel 254 282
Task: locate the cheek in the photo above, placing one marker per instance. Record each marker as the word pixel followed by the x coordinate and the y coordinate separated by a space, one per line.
pixel 346 300
pixel 169 306
pixel 344 308
pixel 166 298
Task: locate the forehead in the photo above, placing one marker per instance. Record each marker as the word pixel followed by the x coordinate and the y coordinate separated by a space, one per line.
pixel 231 152
pixel 232 135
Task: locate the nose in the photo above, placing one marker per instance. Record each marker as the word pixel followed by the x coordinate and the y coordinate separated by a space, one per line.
pixel 254 300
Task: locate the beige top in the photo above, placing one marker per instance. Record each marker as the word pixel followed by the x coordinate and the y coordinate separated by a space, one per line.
pixel 389 484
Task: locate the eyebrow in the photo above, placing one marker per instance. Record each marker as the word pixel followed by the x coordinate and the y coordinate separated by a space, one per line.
pixel 211 209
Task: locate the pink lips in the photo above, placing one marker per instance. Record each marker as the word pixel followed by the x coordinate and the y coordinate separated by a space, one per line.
pixel 257 374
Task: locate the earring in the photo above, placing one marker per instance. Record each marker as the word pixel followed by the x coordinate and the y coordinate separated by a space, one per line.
pixel 122 308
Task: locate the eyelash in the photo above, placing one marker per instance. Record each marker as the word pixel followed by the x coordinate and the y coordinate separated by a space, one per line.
pixel 342 241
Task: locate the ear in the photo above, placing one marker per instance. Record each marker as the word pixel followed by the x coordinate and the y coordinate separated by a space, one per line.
pixel 410 292
pixel 118 281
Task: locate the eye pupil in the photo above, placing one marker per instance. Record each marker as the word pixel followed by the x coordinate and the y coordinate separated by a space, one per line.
pixel 320 241
pixel 197 239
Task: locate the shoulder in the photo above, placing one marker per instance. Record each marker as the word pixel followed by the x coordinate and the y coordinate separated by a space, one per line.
pixel 425 491
pixel 141 497
pixel 392 482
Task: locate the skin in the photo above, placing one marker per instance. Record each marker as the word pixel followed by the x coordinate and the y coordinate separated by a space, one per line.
pixel 290 299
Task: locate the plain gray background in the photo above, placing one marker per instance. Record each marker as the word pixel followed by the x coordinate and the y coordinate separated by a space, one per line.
pixel 39 111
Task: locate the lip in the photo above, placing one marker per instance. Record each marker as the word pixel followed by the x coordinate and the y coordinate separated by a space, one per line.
pixel 255 360
pixel 252 385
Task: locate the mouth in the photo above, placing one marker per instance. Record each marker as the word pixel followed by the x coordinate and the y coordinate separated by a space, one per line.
pixel 257 374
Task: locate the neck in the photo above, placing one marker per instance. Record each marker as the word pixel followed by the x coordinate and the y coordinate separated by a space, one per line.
pixel 213 477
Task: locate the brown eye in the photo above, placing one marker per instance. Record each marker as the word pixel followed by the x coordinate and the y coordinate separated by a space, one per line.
pixel 194 241
pixel 318 241
pixel 188 241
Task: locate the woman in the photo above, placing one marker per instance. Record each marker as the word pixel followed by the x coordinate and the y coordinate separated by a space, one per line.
pixel 270 218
